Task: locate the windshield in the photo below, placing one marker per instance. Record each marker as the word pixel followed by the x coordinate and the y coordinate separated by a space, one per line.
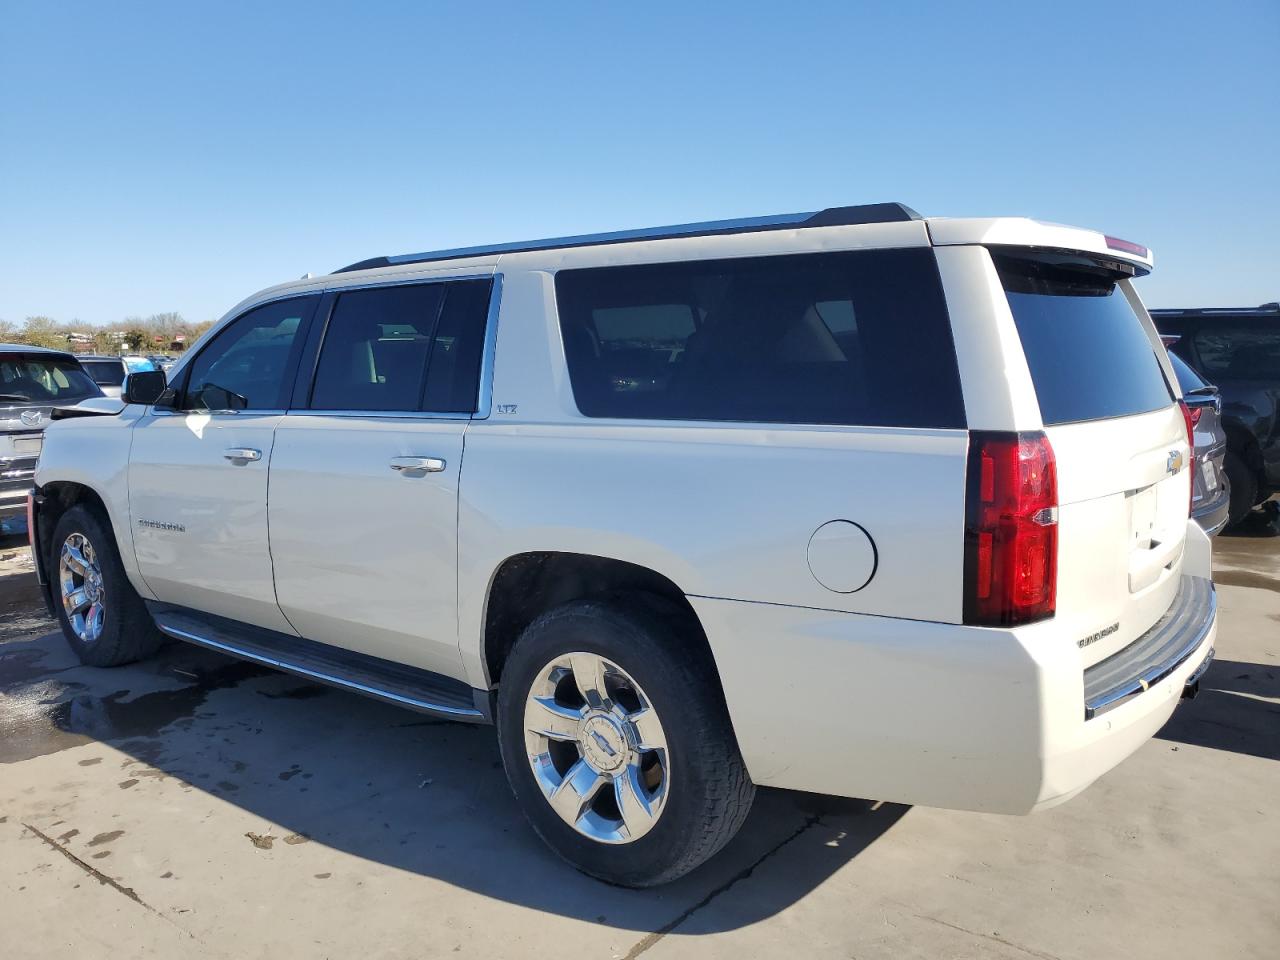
pixel 137 364
pixel 43 379
pixel 1089 356
pixel 106 373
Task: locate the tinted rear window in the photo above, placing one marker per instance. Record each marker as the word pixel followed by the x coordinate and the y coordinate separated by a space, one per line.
pixel 404 348
pixel 42 378
pixel 1188 379
pixel 108 373
pixel 859 338
pixel 1089 356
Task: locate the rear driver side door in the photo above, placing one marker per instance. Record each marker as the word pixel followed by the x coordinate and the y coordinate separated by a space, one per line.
pixel 364 478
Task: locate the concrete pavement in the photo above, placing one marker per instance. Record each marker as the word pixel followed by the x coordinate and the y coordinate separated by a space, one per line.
pixel 194 806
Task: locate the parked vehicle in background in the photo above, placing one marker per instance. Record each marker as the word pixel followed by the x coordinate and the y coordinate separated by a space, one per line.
pixel 107 372
pixel 848 502
pixel 1211 489
pixel 110 373
pixel 1237 350
pixel 135 364
pixel 33 380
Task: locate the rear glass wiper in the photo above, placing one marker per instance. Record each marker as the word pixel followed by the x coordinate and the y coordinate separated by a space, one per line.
pixel 15 396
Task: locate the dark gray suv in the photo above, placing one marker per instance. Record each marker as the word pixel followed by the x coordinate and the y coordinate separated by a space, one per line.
pixel 33 380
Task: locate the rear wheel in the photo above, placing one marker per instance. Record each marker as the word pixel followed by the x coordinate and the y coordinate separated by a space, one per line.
pixel 101 615
pixel 617 743
pixel 1244 487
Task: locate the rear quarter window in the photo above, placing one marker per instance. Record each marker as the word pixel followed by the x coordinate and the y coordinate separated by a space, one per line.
pixel 851 338
pixel 1090 357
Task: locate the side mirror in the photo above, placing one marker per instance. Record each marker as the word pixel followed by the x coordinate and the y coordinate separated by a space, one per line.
pixel 144 387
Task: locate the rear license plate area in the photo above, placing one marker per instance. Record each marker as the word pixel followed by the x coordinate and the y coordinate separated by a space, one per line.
pixel 1209 474
pixel 1142 518
pixel 26 446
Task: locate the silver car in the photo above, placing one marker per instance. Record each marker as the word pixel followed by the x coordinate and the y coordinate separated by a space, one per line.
pixel 33 380
pixel 1211 491
pixel 110 373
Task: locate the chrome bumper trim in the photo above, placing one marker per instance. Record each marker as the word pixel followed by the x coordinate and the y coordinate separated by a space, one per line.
pixel 1157 653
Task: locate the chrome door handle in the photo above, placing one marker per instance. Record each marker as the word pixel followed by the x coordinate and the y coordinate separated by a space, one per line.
pixel 242 454
pixel 417 464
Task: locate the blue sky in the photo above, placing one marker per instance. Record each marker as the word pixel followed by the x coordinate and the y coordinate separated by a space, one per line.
pixel 178 156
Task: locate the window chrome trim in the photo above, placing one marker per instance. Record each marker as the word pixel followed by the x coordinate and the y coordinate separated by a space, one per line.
pixel 488 358
pixel 414 279
pixel 155 411
pixel 379 414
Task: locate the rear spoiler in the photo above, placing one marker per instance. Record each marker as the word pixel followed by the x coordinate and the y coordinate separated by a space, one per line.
pixel 1022 232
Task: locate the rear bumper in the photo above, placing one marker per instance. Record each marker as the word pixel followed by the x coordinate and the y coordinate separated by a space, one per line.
pixel 1156 654
pixel 1212 515
pixel 934 714
pixel 17 475
pixel 13 498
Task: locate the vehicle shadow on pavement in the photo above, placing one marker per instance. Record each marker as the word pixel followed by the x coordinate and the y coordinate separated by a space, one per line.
pixel 1236 710
pixel 397 788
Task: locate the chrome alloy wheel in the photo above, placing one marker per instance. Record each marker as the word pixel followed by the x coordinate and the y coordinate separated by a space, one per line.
pixel 80 582
pixel 597 748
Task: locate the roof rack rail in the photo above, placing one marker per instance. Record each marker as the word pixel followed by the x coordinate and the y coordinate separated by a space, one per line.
pixel 830 217
pixel 1265 308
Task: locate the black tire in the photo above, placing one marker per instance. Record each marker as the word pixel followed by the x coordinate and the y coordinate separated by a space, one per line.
pixel 1244 488
pixel 710 793
pixel 127 633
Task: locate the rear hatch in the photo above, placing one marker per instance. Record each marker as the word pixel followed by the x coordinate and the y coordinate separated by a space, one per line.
pixel 1119 437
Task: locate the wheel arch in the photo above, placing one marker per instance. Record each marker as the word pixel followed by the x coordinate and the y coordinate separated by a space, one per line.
pixel 55 498
pixel 1243 442
pixel 526 585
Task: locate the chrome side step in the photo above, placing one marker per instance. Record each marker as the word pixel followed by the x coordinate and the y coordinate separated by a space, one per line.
pixel 383 680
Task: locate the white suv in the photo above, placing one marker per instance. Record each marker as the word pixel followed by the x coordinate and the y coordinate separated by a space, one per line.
pixel 852 502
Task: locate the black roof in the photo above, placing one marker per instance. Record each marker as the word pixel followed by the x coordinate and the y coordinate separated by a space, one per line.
pixel 30 348
pixel 830 217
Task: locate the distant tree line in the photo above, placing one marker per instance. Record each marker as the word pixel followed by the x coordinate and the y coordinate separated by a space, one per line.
pixel 158 333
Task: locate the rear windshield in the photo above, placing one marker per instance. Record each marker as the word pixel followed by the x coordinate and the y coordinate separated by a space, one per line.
pixel 859 338
pixel 1188 379
pixel 42 379
pixel 108 373
pixel 1089 356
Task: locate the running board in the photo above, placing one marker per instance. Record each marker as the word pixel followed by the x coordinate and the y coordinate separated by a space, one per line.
pixel 384 680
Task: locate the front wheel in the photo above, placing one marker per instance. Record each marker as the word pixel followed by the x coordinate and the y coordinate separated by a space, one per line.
pixel 101 615
pixel 617 743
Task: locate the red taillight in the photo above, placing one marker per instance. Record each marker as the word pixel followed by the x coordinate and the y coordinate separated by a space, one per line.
pixel 1011 535
pixel 1191 418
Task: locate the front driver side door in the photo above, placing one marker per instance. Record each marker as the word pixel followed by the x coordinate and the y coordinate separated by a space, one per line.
pixel 198 469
